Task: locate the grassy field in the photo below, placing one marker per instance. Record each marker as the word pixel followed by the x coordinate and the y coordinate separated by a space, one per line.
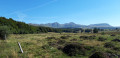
pixel 50 45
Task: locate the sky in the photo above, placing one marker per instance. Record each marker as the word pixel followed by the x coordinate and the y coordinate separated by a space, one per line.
pixel 83 12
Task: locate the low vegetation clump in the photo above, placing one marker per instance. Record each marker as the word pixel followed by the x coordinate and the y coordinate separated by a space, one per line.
pixel 57 44
pixel 117 48
pixel 95 30
pixel 88 37
pixel 92 37
pixel 99 55
pixel 104 55
pixel 109 45
pixel 73 49
pixel 85 37
pixel 101 39
pixel 113 35
pixel 116 40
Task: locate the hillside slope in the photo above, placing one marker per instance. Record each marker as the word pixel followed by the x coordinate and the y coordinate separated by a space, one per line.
pixel 17 27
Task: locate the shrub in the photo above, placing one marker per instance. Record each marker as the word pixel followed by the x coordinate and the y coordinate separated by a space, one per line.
pixel 95 30
pixel 99 55
pixel 84 37
pixel 116 40
pixel 109 45
pixel 113 35
pixel 117 48
pixel 89 47
pixel 103 55
pixel 101 39
pixel 50 38
pixel 88 37
pixel 74 49
pixel 92 37
pixel 4 32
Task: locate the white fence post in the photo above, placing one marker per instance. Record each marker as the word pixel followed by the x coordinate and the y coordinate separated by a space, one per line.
pixel 20 47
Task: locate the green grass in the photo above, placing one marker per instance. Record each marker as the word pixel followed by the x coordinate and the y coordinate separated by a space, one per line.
pixel 37 45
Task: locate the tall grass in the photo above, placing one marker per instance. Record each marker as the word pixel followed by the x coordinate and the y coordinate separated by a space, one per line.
pixel 32 45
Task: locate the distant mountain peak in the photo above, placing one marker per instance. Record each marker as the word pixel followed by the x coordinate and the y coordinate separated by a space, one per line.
pixel 100 25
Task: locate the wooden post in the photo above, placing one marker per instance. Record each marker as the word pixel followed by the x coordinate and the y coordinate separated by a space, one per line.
pixel 20 47
pixel 5 37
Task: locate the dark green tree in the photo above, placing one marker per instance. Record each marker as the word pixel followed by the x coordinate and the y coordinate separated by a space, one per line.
pixel 88 30
pixel 95 30
pixel 4 32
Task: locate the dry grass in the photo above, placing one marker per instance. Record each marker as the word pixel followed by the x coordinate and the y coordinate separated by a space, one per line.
pixel 32 45
pixel 93 43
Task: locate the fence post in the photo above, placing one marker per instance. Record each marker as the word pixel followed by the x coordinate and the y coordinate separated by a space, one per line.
pixel 20 47
pixel 4 37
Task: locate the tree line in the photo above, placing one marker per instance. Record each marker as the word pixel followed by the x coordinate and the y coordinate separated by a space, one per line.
pixel 8 25
pixel 17 27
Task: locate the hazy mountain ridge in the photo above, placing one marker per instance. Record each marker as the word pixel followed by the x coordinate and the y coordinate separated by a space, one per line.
pixel 100 25
pixel 74 25
pixel 58 25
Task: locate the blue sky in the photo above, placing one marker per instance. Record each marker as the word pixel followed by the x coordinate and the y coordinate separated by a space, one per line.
pixel 63 11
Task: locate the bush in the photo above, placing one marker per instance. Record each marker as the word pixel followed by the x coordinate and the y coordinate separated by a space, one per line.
pixel 117 48
pixel 109 45
pixel 116 40
pixel 99 55
pixel 88 37
pixel 89 47
pixel 84 37
pixel 95 30
pixel 101 39
pixel 113 35
pixel 103 55
pixel 4 32
pixel 92 37
pixel 74 49
pixel 50 38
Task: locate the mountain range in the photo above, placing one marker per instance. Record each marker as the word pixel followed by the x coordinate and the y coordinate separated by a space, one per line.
pixel 74 25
